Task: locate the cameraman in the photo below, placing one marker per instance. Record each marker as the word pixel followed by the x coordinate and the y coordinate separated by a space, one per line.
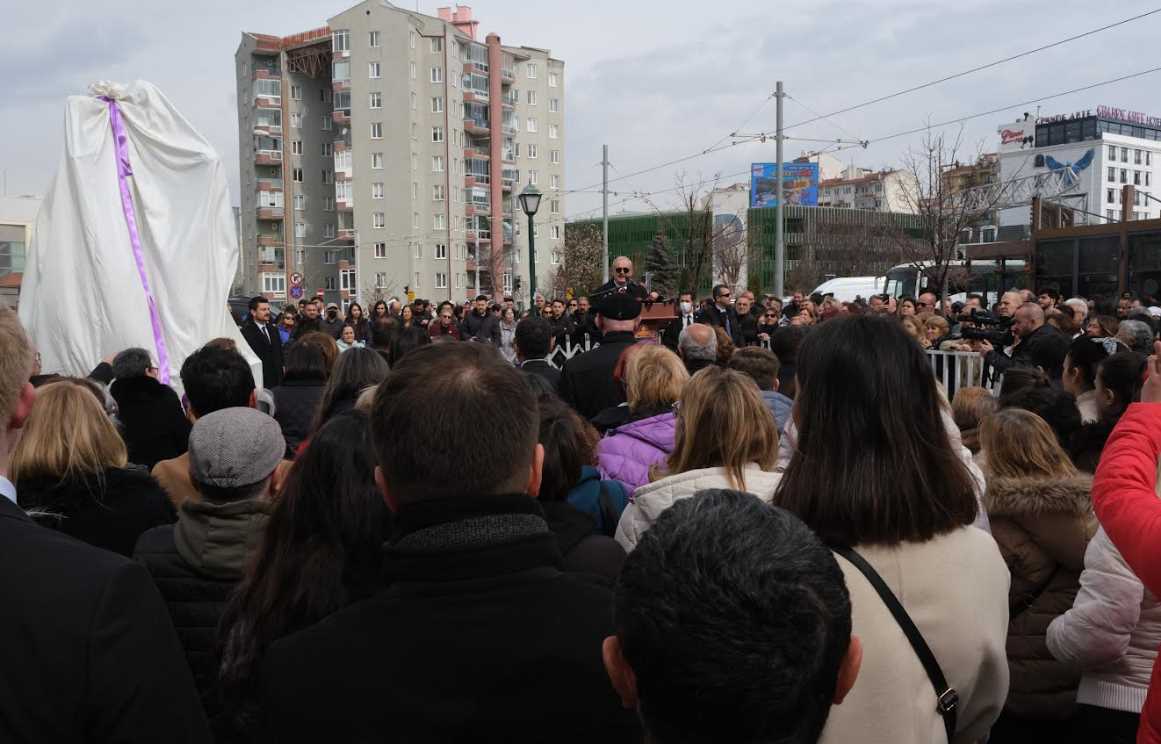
pixel 1037 344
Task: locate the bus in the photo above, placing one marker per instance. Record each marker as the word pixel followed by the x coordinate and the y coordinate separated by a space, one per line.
pixel 987 277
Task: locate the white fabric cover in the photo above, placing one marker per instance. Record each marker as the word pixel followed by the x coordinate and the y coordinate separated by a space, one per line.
pixel 81 298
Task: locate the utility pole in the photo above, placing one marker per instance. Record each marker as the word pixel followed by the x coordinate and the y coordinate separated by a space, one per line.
pixel 779 238
pixel 478 264
pixel 605 213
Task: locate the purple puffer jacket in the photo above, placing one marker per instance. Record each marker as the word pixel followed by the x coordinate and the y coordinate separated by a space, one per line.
pixel 627 452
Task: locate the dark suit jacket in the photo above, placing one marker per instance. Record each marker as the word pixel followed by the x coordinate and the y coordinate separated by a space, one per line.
pixel 543 369
pixel 269 351
pixel 153 424
pixel 711 315
pixel 88 652
pixel 587 384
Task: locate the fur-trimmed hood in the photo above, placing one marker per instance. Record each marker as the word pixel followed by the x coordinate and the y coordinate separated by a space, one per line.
pixel 1018 497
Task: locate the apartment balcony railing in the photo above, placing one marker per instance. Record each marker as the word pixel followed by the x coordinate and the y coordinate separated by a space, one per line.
pixel 269 240
pixel 341 116
pixel 270 213
pixel 268 157
pixel 510 127
pixel 476 152
pixel 270 255
pixel 508 74
pixel 477 127
pixel 474 94
pixel 269 184
pixel 271 102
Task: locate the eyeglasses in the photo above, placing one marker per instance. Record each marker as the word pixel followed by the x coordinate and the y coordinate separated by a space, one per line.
pixel 622 270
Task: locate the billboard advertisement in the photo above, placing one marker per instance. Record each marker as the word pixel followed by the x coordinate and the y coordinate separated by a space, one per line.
pixel 799 184
pixel 1018 135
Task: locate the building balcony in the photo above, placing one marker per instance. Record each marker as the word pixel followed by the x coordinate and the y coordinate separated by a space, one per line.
pixel 477 153
pixel 270 213
pixel 269 240
pixel 271 255
pixel 341 116
pixel 508 74
pixel 340 86
pixel 471 95
pixel 510 128
pixel 269 184
pixel 346 233
pixel 267 71
pixel 475 68
pixel 268 157
pixel 482 235
pixel 268 102
pixel 345 206
pixel 476 127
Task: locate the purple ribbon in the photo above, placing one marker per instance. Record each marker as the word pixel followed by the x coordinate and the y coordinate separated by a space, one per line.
pixel 121 142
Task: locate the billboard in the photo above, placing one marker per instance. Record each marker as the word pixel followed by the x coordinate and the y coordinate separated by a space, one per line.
pixel 1018 135
pixel 799 184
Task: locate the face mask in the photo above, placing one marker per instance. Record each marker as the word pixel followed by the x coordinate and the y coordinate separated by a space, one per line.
pixel 686 307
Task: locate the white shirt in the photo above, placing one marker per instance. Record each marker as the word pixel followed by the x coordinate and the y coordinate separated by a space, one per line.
pixel 265 332
pixel 7 489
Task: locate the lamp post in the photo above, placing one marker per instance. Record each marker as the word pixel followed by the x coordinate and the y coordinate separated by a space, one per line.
pixel 530 202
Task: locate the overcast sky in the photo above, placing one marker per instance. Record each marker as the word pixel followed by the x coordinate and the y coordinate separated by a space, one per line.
pixel 654 80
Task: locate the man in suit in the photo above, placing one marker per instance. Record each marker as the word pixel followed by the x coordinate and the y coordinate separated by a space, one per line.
pixel 587 383
pixel 89 653
pixel 621 280
pixel 721 313
pixel 533 343
pixel 264 340
pixel 685 318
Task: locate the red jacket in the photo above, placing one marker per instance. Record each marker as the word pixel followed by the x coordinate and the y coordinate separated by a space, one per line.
pixel 437 329
pixel 1129 510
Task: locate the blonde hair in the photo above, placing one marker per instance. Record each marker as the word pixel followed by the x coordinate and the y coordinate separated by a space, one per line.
pixel 913 326
pixel 722 422
pixel 68 434
pixel 654 378
pixel 936 321
pixel 15 362
pixel 971 406
pixel 1019 444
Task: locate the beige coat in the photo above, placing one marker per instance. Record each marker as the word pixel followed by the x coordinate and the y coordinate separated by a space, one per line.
pixel 954 587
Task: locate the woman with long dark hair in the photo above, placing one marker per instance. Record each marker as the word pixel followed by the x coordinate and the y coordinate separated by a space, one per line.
pixel 321 551
pixel 1080 371
pixel 1118 383
pixel 876 475
pixel 357 369
pixel 356 321
pixel 296 400
pixel 379 311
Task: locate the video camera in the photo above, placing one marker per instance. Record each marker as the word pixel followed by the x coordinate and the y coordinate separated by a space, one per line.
pixel 995 329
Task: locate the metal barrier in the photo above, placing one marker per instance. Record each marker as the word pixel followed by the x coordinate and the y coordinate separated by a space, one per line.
pixel 959 369
pixel 568 350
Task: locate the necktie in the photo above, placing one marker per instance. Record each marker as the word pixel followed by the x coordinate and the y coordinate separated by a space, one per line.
pixel 266 333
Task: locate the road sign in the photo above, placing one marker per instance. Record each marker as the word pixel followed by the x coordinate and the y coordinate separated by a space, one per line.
pixel 295 279
pixel 296 292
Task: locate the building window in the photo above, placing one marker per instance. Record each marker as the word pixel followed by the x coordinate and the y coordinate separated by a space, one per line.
pixel 274 284
pixel 376 191
pixel 1136 178
pixel 531 125
pixel 438 222
pixel 419 250
pixel 380 276
pixel 380 250
pixel 300 229
pixel 436 45
pixel 373 39
pixel 1148 158
pixel 376 161
pixel 555 181
pixel 437 134
pixel 415 220
pixel 296 92
pixel 373 70
pixel 341 41
pixel 299 202
pixel 330 283
pixel 437 164
pixel 437 193
pixel 1112 174
pixel 437 105
pixel 507 281
pixel 440 280
pixel 324 95
pixel 328 149
pixel 556 232
pixel 296 175
pixel 441 251
pixel 554 206
pixel 553 80
pixel 459 280
pixel 1124 175
pixel 1124 154
pixel 531 70
pixel 375 100
pixel 347 280
pixel 531 98
pixel 554 105
pixel 330 257
pixel 555 258
pixel 553 131
pixel 296 121
pixel 328 175
pixel 416 285
pixel 412 37
pixel 554 157
pixel 296 147
pixel 329 205
pixel 376 130
pixel 326 122
pixel 378 220
pixel 414 191
pixel 1136 157
pixel 1147 179
pixel 532 176
pixel 1112 154
pixel 1110 196
pixel 437 74
pixel 531 152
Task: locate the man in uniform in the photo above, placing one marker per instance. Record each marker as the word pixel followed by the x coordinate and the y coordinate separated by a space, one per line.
pixel 586 383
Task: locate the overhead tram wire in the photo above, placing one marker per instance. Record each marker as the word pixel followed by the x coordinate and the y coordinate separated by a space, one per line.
pixel 978 68
pixel 912 89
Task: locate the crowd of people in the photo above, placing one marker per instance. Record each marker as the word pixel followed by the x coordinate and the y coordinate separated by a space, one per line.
pixel 766 522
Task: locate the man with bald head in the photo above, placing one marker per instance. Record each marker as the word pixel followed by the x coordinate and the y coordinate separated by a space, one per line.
pixel 1037 344
pixel 698 347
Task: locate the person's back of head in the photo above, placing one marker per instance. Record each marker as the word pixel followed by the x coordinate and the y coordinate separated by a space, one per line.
pixel 725 346
pixel 1055 406
pixel 722 422
pixel 483 441
pixel 68 435
pixel 134 362
pixel 306 360
pixel 1021 444
pixel 1137 335
pixel 383 333
pixel 760 364
pixel 533 337
pixel 786 341
pixel 1017 379
pixel 654 377
pixel 407 340
pixel 1118 383
pixel 357 369
pixel 569 444
pixel 971 406
pixel 698 343
pixel 874 463
pixel 733 624
pixel 215 378
pixel 233 454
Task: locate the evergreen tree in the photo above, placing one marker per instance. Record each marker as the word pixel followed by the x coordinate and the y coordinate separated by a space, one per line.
pixel 662 268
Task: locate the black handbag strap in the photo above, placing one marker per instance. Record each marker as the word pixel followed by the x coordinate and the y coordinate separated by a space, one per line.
pixel 947 699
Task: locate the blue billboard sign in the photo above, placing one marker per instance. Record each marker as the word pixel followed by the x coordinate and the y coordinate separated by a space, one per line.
pixel 799 184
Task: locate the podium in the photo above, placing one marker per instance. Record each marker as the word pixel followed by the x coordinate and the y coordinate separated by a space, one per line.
pixel 655 317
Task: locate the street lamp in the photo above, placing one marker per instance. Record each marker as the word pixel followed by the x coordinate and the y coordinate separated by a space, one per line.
pixel 530 202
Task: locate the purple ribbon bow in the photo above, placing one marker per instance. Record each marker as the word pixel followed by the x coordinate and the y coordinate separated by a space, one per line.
pixel 121 142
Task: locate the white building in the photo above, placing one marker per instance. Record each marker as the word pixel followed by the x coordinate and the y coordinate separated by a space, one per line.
pixel 877 191
pixel 1082 161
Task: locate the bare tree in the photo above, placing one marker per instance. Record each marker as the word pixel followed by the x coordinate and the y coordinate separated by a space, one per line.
pixel 945 207
pixel 730 249
pixel 834 246
pixel 580 268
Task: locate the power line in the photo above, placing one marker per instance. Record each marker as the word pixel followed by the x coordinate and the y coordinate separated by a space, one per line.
pixel 978 68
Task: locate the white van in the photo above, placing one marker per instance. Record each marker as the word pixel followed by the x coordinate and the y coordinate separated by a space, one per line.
pixel 846 289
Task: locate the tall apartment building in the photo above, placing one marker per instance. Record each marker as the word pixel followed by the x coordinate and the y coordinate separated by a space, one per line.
pixel 378 152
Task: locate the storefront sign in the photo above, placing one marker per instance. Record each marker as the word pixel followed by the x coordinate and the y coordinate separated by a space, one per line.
pixel 1129 117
